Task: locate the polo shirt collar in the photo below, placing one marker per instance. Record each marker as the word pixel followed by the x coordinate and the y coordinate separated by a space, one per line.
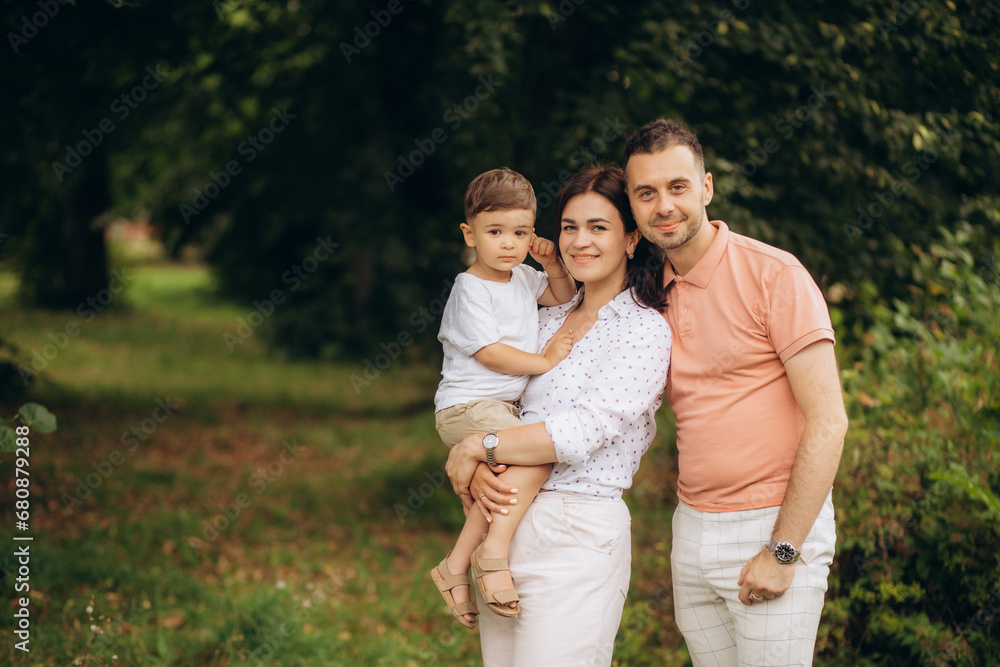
pixel 703 271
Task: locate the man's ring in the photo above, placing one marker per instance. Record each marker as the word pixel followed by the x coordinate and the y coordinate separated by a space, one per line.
pixel 482 497
pixel 755 598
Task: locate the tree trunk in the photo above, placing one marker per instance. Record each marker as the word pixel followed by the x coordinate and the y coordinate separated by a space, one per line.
pixel 67 262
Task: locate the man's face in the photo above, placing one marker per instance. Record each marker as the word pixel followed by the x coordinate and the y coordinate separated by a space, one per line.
pixel 668 193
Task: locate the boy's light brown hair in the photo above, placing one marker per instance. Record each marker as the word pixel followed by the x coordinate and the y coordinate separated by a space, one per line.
pixel 498 190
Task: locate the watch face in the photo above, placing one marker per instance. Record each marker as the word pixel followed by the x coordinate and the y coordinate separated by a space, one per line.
pixel 490 441
pixel 784 552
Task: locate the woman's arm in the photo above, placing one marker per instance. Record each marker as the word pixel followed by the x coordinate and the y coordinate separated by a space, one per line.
pixel 524 445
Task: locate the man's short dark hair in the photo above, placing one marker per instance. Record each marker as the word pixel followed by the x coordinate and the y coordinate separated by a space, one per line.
pixel 660 135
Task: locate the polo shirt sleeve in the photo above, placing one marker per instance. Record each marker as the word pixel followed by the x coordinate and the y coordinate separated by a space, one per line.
pixel 797 312
pixel 616 394
pixel 469 322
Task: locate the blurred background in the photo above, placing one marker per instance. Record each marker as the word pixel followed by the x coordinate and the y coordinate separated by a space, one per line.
pixel 228 230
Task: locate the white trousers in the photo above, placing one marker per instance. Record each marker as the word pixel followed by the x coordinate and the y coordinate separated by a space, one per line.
pixel 570 559
pixel 709 550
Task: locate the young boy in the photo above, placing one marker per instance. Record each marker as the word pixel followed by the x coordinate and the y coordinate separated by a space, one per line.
pixel 489 331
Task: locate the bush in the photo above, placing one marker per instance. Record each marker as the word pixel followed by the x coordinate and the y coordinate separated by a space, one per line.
pixel 917 576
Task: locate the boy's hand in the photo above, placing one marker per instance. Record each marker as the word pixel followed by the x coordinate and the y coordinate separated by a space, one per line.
pixel 543 251
pixel 558 348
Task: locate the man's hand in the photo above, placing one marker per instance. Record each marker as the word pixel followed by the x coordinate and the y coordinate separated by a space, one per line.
pixel 490 491
pixel 765 577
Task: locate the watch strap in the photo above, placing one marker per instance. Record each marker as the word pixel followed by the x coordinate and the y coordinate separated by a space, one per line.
pixel 490 456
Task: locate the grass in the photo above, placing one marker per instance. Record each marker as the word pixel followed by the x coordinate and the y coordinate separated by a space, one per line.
pixel 186 536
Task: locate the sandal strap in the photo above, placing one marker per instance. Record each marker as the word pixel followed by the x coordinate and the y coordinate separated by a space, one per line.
pixel 449 579
pixel 491 565
pixel 502 597
pixel 467 607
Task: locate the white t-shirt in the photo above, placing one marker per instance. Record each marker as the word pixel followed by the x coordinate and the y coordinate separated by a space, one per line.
pixel 479 313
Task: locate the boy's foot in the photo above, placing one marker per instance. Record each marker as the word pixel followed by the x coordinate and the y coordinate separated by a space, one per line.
pixel 502 601
pixel 453 588
pixel 461 592
pixel 498 580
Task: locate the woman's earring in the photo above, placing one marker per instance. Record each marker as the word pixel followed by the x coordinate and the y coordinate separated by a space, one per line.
pixel 631 255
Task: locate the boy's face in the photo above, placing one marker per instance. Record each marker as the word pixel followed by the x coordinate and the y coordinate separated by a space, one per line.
pixel 501 240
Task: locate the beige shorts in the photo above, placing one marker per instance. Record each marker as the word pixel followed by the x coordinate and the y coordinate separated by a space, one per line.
pixel 459 421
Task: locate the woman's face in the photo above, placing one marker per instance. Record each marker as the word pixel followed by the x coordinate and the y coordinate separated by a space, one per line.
pixel 593 241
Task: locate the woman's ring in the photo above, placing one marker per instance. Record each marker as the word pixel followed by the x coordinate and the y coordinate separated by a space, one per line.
pixel 482 497
pixel 755 598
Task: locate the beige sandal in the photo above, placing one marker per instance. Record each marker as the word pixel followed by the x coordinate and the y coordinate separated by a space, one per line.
pixel 445 581
pixel 497 601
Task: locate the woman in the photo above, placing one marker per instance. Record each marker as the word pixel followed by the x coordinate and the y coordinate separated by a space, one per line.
pixel 592 416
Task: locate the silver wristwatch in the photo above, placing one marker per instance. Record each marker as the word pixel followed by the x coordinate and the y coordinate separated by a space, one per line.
pixel 784 551
pixel 490 442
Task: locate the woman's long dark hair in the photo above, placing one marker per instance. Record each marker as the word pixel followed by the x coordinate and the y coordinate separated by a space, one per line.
pixel 644 272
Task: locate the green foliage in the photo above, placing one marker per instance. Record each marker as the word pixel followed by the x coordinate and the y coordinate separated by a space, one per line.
pixel 37 417
pixel 816 141
pixel 31 417
pixel 958 476
pixel 918 569
pixel 320 569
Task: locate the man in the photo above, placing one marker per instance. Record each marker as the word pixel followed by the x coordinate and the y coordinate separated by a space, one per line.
pixel 760 418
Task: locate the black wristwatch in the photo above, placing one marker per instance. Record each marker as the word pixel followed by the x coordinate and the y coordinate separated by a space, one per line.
pixel 490 441
pixel 784 551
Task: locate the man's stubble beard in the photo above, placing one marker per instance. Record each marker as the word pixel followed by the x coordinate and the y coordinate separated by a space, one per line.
pixel 672 243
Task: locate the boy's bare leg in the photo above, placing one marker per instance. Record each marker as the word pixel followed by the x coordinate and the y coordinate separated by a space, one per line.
pixel 528 481
pixel 461 556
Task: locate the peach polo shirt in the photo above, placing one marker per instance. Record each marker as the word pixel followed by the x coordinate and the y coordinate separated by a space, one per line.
pixel 737 317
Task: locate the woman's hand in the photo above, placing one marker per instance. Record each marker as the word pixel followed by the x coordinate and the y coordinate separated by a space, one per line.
pixel 462 464
pixel 489 490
